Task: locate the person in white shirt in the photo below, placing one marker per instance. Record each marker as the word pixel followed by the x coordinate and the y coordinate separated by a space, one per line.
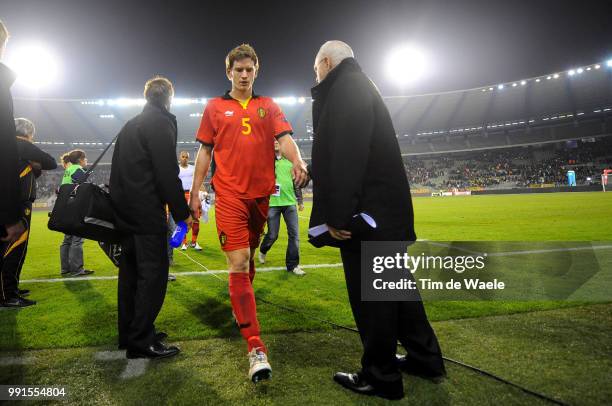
pixel 186 176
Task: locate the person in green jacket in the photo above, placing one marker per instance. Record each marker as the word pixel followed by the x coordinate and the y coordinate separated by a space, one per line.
pixel 71 250
pixel 283 202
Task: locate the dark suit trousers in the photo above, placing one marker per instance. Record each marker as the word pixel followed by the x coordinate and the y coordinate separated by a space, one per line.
pixel 143 278
pixel 382 324
pixel 12 257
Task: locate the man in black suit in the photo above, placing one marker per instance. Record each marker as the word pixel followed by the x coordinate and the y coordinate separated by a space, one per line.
pixel 12 222
pixel 144 179
pixel 32 161
pixel 357 167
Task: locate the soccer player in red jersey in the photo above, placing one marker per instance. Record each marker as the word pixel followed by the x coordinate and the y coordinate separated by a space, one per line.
pixel 240 127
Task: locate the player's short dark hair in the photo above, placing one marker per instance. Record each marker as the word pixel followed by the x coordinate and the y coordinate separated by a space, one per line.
pixel 76 155
pixel 65 157
pixel 158 91
pixel 241 52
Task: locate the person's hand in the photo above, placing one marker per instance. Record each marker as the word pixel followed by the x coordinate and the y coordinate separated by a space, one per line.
pixel 299 173
pixel 300 207
pixel 339 234
pixel 36 168
pixel 194 203
pixel 188 221
pixel 13 231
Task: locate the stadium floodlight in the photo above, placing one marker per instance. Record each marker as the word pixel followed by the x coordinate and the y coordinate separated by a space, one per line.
pixel 589 68
pixel 538 80
pixel 548 77
pixel 571 72
pixel 514 84
pixel 500 87
pixel 125 102
pixel 579 71
pixel 491 89
pixel 181 101
pixel 302 100
pixel 285 100
pixel 609 63
pixel 406 64
pixel 36 65
pixel 556 76
pixel 523 82
pixel 597 66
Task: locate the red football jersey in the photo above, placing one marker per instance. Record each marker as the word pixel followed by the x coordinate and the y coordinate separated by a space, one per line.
pixel 242 137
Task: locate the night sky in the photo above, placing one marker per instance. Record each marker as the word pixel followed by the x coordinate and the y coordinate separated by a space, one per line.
pixel 109 48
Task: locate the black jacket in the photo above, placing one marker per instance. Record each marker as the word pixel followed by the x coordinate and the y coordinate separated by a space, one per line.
pixel 28 153
pixel 356 161
pixel 9 175
pixel 144 173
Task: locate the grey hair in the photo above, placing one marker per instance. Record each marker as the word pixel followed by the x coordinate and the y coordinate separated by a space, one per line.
pixel 24 127
pixel 336 51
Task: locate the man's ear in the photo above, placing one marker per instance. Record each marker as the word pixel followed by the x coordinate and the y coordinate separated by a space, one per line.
pixel 256 72
pixel 329 64
pixel 228 73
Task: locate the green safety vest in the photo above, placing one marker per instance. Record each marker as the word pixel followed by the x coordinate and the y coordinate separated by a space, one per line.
pixel 67 179
pixel 284 194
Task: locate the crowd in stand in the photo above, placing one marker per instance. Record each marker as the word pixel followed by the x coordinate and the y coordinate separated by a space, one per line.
pixel 507 168
pixel 512 167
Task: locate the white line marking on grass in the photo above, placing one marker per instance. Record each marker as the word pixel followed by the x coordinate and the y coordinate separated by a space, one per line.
pixel 80 278
pixel 109 355
pixel 134 367
pixel 6 361
pixel 527 252
pixel 440 244
pixel 546 251
pixel 213 272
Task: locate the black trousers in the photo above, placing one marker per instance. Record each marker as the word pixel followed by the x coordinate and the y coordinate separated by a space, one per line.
pixel 143 279
pixel 12 257
pixel 382 324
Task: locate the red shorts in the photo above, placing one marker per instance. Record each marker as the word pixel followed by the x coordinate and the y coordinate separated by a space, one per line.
pixel 240 222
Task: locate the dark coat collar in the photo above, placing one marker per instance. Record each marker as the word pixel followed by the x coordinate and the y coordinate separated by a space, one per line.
pixel 227 96
pixel 7 76
pixel 347 65
pixel 150 107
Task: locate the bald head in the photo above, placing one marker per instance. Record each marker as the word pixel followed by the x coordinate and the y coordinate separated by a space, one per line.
pixel 329 56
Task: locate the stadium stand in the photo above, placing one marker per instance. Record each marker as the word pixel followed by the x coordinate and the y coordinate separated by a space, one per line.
pixel 513 134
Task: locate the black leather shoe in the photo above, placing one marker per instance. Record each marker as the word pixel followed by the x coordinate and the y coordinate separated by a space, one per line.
pixel 154 351
pixel 357 383
pixel 17 302
pixel 159 337
pixel 23 292
pixel 411 369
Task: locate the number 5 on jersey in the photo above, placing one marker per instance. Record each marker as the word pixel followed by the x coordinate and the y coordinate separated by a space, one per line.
pixel 246 127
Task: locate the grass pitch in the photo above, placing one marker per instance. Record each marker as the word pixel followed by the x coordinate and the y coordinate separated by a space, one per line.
pixel 561 352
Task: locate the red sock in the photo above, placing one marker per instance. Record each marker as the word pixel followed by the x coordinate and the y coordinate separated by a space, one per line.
pixel 195 230
pixel 185 237
pixel 252 270
pixel 245 309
